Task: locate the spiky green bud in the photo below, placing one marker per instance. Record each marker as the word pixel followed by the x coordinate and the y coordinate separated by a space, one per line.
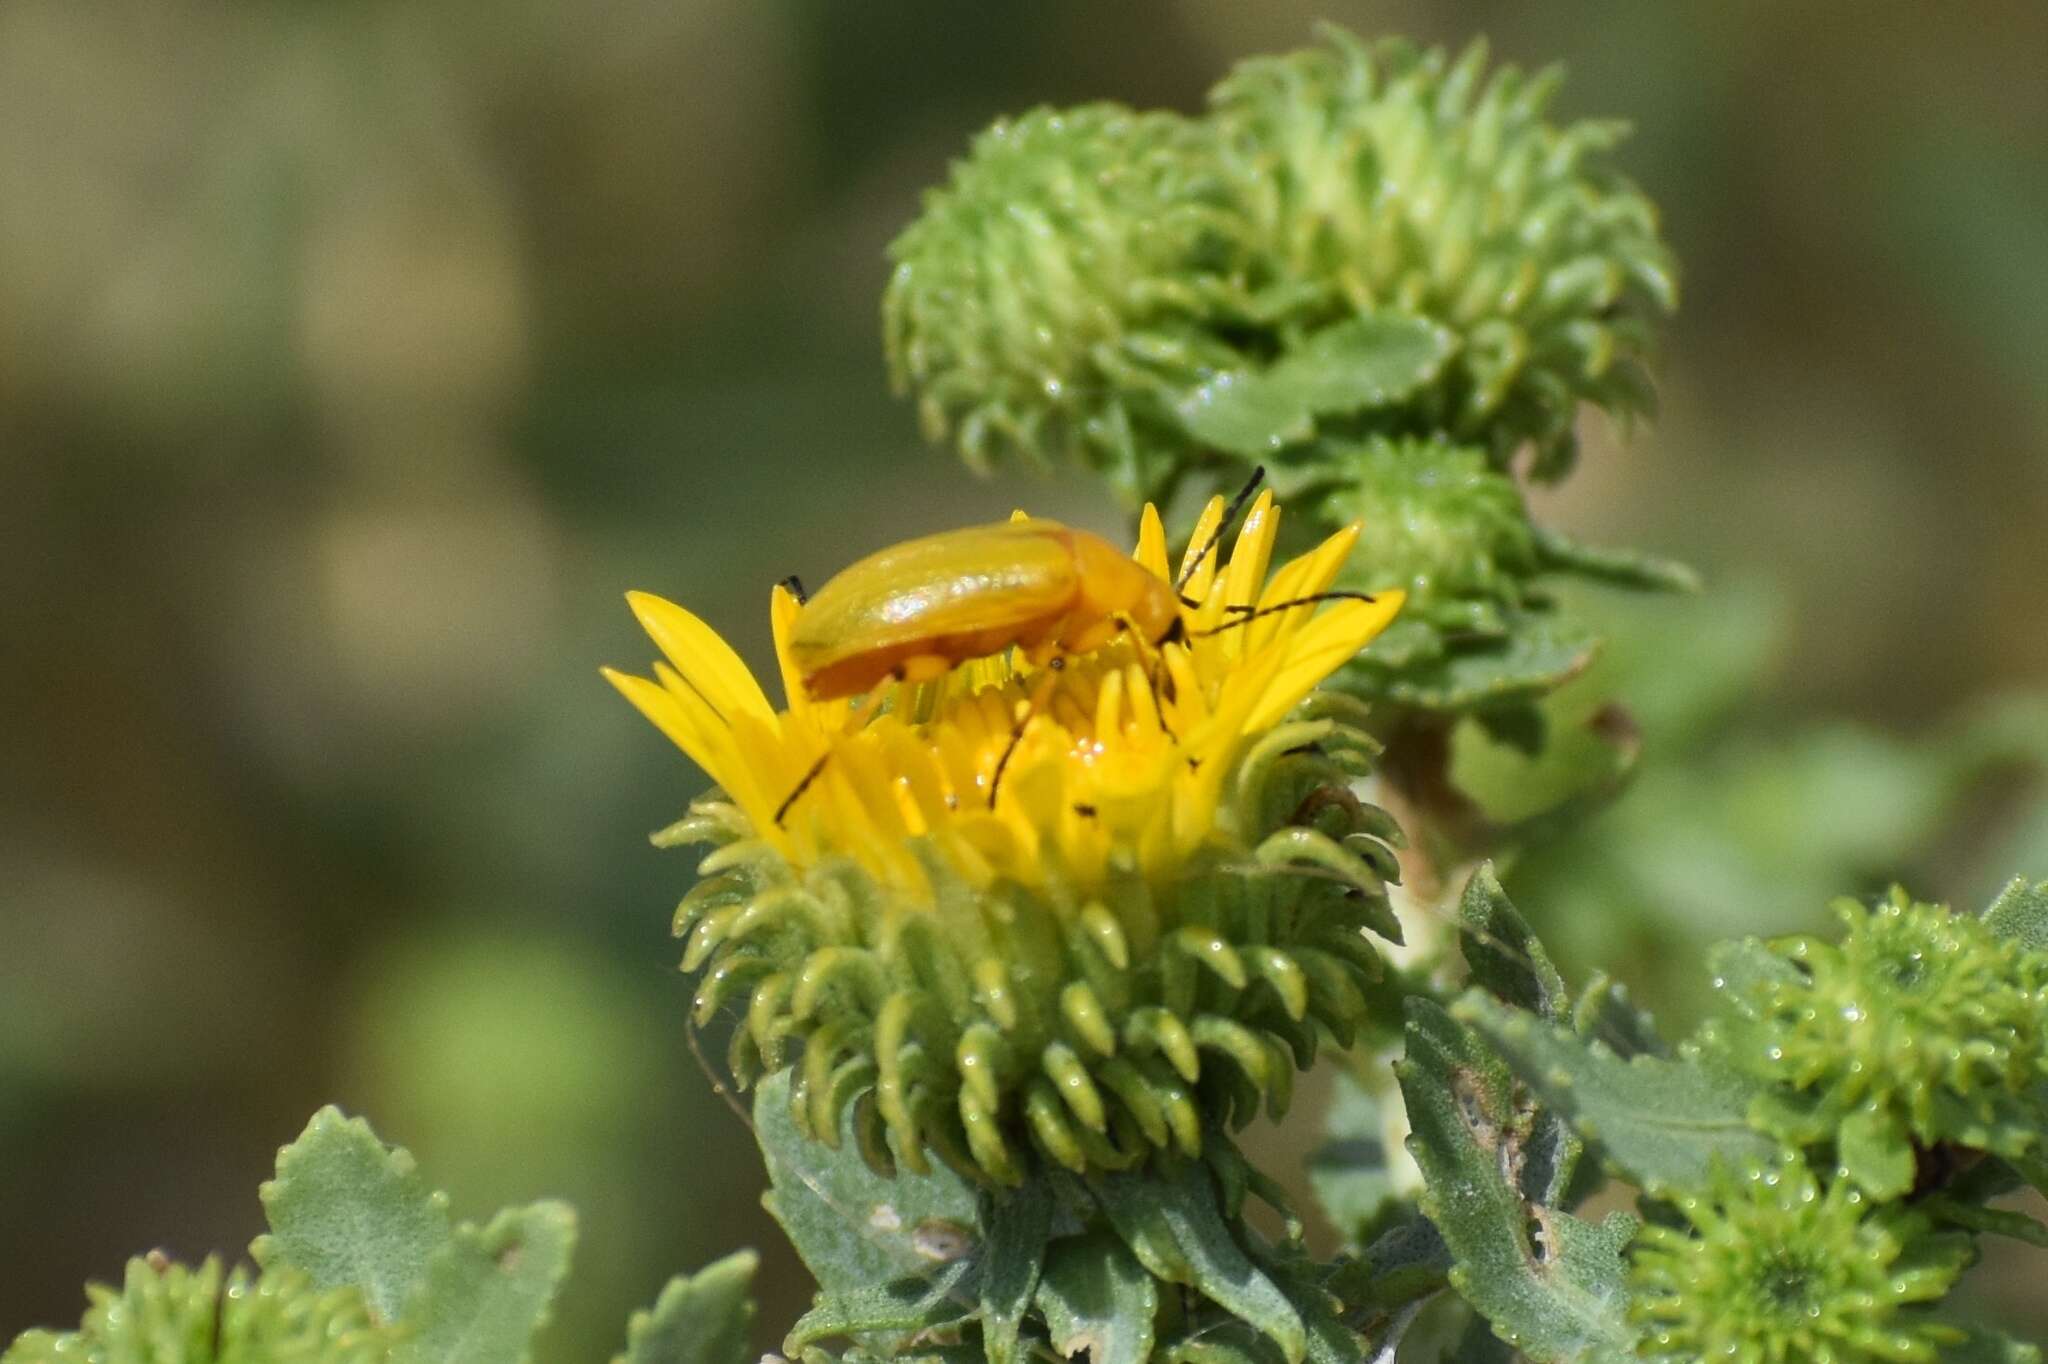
pixel 1774 1269
pixel 1357 238
pixel 1002 1026
pixel 1050 302
pixel 1383 176
pixel 168 1313
pixel 1919 1027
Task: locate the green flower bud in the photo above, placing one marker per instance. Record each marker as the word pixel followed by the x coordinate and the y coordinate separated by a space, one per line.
pixel 167 1313
pixel 1382 176
pixel 1775 1270
pixel 1919 1027
pixel 1355 239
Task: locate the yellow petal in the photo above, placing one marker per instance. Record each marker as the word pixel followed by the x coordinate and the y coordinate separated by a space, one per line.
pixel 1151 551
pixel 669 716
pixel 1321 647
pixel 782 610
pixel 706 661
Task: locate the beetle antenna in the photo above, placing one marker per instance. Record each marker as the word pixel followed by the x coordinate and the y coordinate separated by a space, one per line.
pixel 1244 495
pixel 796 589
pixel 1251 616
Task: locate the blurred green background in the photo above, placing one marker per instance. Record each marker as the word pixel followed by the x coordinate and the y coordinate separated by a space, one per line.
pixel 354 358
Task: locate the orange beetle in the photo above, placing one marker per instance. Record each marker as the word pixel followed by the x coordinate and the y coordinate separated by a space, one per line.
pixel 914 611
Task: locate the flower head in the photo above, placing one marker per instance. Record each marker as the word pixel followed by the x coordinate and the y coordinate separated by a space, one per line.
pixel 1095 908
pixel 1122 757
pixel 1774 1270
pixel 1918 1027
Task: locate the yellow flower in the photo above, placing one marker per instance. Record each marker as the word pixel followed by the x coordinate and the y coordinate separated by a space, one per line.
pixel 1121 758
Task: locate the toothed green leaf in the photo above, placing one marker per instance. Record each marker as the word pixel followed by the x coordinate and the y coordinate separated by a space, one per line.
pixel 488 1291
pixel 1663 1121
pixel 1171 1221
pixel 852 1227
pixel 700 1318
pixel 346 1209
pixel 1351 366
pixel 913 1303
pixel 2020 914
pixel 1018 1223
pixel 1555 1298
pixel 1097 1299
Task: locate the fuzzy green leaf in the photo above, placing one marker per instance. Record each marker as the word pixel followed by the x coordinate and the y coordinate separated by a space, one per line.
pixel 1875 1153
pixel 1506 958
pixel 1361 363
pixel 1096 1298
pixel 1538 653
pixel 1662 1121
pixel 1349 1173
pixel 488 1291
pixel 700 1318
pixel 1172 1223
pixel 852 1227
pixel 2020 914
pixel 913 1303
pixel 1558 1298
pixel 346 1209
pixel 1018 1223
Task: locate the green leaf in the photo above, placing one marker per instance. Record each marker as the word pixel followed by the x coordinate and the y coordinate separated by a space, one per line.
pixel 1874 1152
pixel 913 1303
pixel 698 1319
pixel 1349 1173
pixel 1351 366
pixel 1096 1298
pixel 852 1227
pixel 1362 362
pixel 1983 1345
pixel 1408 1262
pixel 1617 567
pixel 345 1209
pixel 1741 967
pixel 1018 1223
pixel 1560 1297
pixel 1538 653
pixel 1604 1013
pixel 488 1291
pixel 1171 1222
pixel 1506 959
pixel 1662 1121
pixel 1503 951
pixel 2020 914
pixel 1995 1221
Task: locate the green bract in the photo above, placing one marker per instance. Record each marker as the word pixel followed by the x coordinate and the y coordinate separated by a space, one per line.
pixel 1776 1270
pixel 1919 1027
pixel 993 1026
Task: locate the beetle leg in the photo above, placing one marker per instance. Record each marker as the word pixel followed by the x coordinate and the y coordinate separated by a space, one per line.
pixel 866 711
pixel 1040 694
